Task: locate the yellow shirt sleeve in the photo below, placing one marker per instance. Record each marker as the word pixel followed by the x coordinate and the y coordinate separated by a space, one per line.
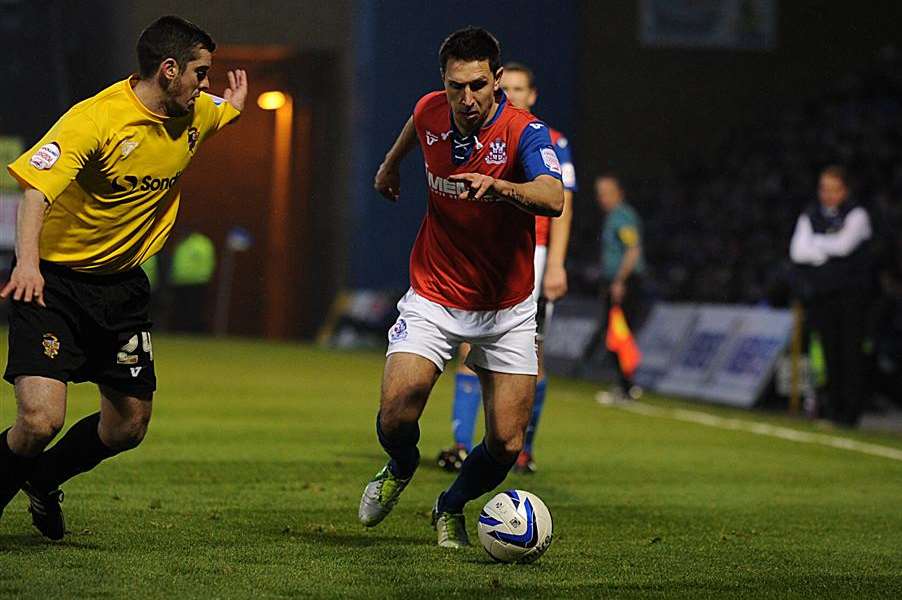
pixel 217 113
pixel 628 235
pixel 51 164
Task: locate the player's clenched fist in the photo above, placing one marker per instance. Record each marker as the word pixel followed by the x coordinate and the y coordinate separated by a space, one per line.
pixel 554 285
pixel 388 181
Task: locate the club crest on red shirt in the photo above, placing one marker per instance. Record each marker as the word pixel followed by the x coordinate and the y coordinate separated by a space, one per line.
pixel 497 153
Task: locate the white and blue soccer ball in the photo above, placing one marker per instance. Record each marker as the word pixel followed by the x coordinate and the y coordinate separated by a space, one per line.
pixel 515 527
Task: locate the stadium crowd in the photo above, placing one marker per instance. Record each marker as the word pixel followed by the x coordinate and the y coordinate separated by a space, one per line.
pixel 718 229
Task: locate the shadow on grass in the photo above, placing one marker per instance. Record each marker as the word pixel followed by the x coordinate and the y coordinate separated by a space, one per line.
pixel 484 560
pixel 33 542
pixel 352 539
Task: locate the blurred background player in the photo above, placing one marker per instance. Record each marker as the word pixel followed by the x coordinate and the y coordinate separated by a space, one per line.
pixel 490 169
pixel 622 266
pixel 101 196
pixel 552 237
pixel 832 253
pixel 185 270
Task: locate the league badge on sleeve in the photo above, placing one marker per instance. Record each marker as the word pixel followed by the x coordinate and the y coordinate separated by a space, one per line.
pixel 568 174
pixel 549 157
pixel 46 156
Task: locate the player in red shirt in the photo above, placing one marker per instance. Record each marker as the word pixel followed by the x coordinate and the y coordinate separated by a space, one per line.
pixel 552 237
pixel 490 168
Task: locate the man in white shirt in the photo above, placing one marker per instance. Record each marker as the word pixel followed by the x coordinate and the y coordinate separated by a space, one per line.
pixel 831 250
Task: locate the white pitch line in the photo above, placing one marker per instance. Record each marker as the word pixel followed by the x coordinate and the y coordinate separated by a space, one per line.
pixel 785 433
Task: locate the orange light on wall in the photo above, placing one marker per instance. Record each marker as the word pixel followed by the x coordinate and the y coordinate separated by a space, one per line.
pixel 276 269
pixel 271 100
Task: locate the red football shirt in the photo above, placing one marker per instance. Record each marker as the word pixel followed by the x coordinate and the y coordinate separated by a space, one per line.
pixel 561 148
pixel 477 255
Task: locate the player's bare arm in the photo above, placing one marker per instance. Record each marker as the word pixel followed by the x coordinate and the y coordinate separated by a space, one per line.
pixel 25 282
pixel 236 93
pixel 388 177
pixel 618 286
pixel 543 196
pixel 554 284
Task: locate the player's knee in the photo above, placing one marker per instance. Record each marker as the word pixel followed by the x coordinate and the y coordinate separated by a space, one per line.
pixel 403 406
pixel 39 428
pixel 128 435
pixel 395 417
pixel 505 447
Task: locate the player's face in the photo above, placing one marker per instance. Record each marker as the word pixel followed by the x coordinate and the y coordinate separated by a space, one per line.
pixel 187 86
pixel 471 87
pixel 831 191
pixel 516 85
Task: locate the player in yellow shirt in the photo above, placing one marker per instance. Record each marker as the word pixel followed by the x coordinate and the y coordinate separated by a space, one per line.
pixel 101 192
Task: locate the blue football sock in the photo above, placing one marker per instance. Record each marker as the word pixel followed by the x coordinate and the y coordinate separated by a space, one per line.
pixel 480 473
pixel 467 395
pixel 401 446
pixel 537 407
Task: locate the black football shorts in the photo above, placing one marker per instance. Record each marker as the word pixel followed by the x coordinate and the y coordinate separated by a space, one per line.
pixel 94 328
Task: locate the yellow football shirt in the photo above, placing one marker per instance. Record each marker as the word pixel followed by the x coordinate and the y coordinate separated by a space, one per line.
pixel 110 169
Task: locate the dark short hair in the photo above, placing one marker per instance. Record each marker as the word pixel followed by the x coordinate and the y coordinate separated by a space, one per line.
pixel 170 37
pixel 611 175
pixel 838 172
pixel 515 67
pixel 471 43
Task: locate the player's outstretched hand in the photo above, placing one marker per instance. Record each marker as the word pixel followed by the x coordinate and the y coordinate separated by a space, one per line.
pixel 236 93
pixel 554 286
pixel 478 185
pixel 388 182
pixel 25 284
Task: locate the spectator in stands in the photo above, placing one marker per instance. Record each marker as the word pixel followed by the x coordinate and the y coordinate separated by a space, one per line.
pixel 622 266
pixel 716 226
pixel 835 277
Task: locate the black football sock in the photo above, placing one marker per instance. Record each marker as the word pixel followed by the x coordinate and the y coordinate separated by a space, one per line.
pixel 401 446
pixel 78 451
pixel 14 470
pixel 480 473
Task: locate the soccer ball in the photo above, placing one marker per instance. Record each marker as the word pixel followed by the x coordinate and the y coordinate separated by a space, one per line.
pixel 515 526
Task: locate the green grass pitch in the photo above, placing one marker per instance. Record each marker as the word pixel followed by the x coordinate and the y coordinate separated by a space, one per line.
pixel 248 483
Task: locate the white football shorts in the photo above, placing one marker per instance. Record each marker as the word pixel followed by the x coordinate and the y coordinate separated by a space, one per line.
pixel 541 259
pixel 503 341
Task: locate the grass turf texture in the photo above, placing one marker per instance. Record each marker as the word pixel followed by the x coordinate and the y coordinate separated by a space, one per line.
pixel 248 483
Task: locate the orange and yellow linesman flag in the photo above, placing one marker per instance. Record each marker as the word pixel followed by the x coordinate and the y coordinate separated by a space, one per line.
pixel 620 340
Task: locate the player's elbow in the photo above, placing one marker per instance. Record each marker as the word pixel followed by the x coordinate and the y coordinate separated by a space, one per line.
pixel 556 205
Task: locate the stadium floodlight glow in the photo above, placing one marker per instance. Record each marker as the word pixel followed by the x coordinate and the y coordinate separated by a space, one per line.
pixel 271 100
